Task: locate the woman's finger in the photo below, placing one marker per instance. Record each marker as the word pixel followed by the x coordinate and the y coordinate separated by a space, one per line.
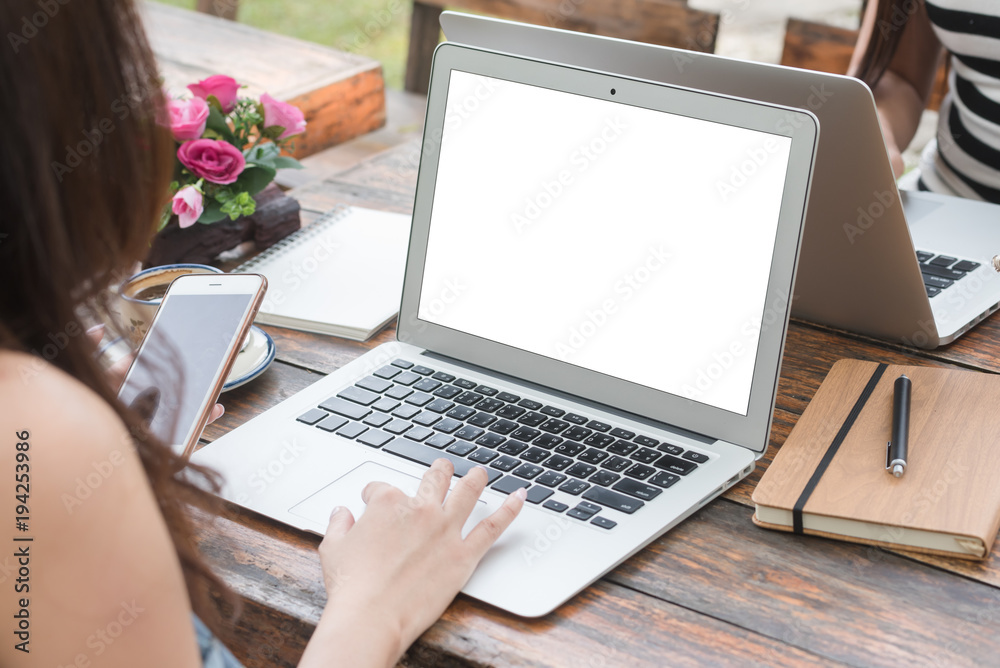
pixel 217 411
pixel 434 485
pixel 484 534
pixel 466 493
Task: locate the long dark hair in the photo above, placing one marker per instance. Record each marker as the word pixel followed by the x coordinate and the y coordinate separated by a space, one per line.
pixel 83 177
pixel 890 21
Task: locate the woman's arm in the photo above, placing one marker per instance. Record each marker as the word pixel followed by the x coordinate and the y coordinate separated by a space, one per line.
pixel 902 93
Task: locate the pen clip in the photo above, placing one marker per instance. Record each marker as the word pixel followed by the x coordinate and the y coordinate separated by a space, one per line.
pixel 888 449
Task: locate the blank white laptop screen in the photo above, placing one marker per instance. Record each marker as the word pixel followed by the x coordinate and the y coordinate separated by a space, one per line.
pixel 631 242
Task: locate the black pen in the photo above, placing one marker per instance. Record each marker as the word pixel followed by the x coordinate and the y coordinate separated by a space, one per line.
pixel 895 456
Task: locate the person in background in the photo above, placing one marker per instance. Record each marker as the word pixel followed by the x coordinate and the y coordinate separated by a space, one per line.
pixel 898 53
pixel 112 534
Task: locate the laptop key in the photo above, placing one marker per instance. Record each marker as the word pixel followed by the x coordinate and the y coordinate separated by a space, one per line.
pixel 469 398
pixel 538 494
pixel 695 456
pixel 375 438
pixel 408 378
pixel 399 392
pixel 580 470
pixel 377 419
pixel 470 433
pixel 671 449
pixel 508 397
pixel 574 418
pixel 599 440
pixel 460 412
pixel 593 456
pixel 923 256
pixel 528 471
pixel 604 478
pixel 936 282
pixel 406 412
pixel 547 441
pixel 529 404
pixel 513 447
pixel 615 500
pixel 675 464
pixel 535 455
pixel 488 391
pixel 503 427
pixel 589 507
pixel 332 423
pixel 440 441
pixel 646 441
pixel 616 463
pixel 512 412
pixel 358 395
pixel 640 471
pixel 552 504
pixel 509 484
pixel 464 384
pixel 637 489
pixel 557 462
pixel 402 364
pixel 461 448
pixel 525 434
pixel 377 385
pixel 618 432
pixel 664 479
pixel 352 430
pixel 569 448
pixel 418 399
pixel 447 392
pixel 397 427
pixel 418 433
pixel 573 486
pixel 427 385
pixel 943 272
pixel 551 479
pixel 440 406
pixel 483 456
pixel 443 377
pixel 447 425
pixel 490 440
pixel 426 418
pixel 421 454
pixel 932 292
pixel 604 523
pixel 578 514
pixel 554 426
pixel 943 261
pixel 553 411
pixel 312 416
pixel 577 433
pixel 345 408
pixel 966 266
pixel 505 463
pixel 622 448
pixel 489 405
pixel 482 420
pixel 598 426
pixel 422 370
pixel 532 419
pixel 648 456
pixel 385 405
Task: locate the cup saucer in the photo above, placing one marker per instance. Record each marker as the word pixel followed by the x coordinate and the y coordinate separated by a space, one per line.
pixel 253 360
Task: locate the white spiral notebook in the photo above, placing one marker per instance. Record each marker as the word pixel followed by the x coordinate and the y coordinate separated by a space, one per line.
pixel 342 275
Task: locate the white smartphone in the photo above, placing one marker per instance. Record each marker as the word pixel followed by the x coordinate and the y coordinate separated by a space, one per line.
pixel 188 351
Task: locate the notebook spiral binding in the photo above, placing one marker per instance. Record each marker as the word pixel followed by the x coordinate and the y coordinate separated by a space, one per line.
pixel 300 236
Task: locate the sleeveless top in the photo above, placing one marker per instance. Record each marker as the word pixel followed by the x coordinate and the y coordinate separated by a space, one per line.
pixel 213 653
pixel 964 160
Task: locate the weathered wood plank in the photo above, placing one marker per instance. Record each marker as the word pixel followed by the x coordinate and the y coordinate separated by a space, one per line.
pixel 342 95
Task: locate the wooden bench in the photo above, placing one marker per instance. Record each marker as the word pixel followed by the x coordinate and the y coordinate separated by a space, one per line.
pixel 817 46
pixel 663 22
pixel 341 94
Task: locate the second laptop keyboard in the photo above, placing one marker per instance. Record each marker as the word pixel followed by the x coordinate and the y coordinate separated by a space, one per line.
pixel 941 271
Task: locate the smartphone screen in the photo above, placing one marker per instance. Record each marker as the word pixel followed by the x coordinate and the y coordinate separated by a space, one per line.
pixel 198 329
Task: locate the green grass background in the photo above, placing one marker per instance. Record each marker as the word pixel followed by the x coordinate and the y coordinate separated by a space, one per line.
pixel 377 29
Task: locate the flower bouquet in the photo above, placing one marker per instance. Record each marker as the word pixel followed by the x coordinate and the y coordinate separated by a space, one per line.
pixel 229 149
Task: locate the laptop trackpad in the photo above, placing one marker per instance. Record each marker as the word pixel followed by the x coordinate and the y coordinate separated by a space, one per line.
pixel 346 491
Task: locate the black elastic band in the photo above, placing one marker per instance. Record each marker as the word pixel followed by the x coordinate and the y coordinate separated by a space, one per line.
pixel 834 446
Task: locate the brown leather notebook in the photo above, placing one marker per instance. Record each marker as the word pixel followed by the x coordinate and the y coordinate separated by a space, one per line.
pixel 829 478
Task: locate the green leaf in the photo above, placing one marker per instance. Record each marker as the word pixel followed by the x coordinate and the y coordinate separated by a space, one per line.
pixel 284 162
pixel 263 155
pixel 212 213
pixel 254 179
pixel 217 123
pixel 240 205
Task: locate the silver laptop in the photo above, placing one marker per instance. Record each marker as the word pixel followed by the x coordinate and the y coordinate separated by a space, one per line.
pixel 859 262
pixel 585 313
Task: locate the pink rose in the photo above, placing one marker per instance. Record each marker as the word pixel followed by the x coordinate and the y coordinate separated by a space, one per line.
pixel 188 206
pixel 187 118
pixel 222 87
pixel 212 159
pixel 283 115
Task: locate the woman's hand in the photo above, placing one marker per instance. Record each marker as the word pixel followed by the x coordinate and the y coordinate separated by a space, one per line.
pixel 391 574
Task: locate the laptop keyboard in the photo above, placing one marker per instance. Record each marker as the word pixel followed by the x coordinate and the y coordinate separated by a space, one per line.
pixel 420 414
pixel 941 271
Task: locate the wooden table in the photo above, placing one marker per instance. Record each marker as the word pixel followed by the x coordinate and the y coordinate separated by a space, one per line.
pixel 714 591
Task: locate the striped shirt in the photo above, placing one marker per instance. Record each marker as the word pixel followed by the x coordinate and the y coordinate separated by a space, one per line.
pixel 965 159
